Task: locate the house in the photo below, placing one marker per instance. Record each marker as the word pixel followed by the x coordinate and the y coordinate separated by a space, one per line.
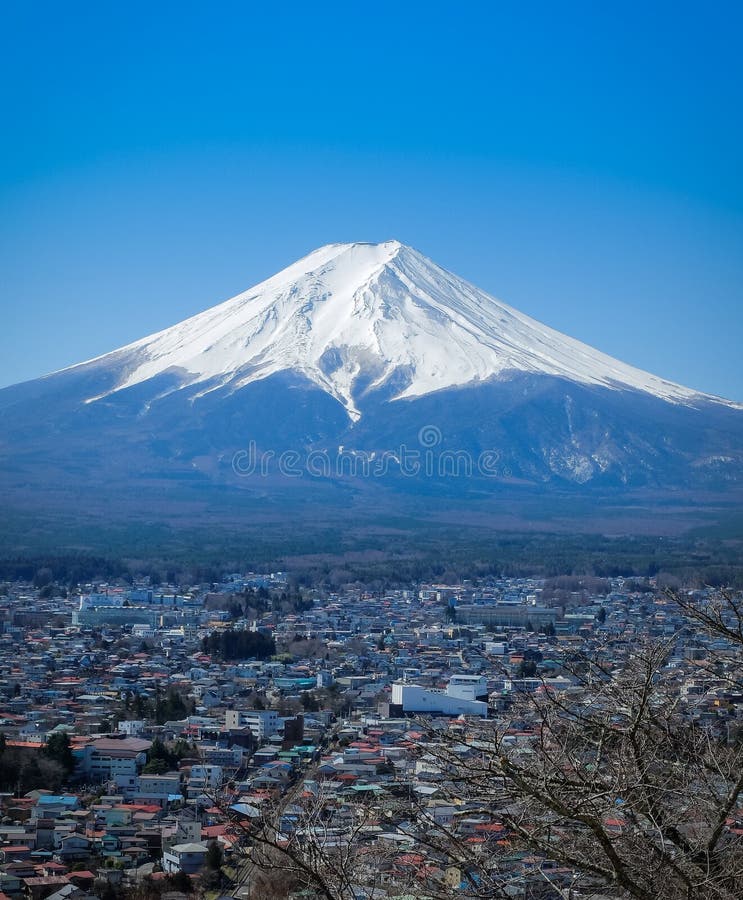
pixel 188 858
pixel 110 845
pixel 70 892
pixel 43 885
pixel 52 806
pixel 72 847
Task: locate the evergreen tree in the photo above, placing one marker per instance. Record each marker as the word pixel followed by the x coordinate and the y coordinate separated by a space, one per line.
pixel 214 856
pixel 58 748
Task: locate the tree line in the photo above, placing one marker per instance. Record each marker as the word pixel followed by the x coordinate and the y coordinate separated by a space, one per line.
pixel 231 644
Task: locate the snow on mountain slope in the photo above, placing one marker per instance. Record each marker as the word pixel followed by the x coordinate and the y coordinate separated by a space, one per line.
pixel 351 316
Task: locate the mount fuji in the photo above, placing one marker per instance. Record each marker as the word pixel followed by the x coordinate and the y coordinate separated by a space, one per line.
pixel 354 317
pixel 363 350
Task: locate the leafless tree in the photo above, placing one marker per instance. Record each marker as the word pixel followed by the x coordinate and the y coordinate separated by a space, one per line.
pixel 624 780
pixel 617 783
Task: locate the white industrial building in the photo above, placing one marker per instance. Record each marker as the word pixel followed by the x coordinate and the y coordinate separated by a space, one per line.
pixel 457 700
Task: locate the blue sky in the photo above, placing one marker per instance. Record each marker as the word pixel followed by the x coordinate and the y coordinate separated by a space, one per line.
pixel 581 161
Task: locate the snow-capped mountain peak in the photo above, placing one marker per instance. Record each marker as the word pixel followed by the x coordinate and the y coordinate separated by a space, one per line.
pixel 358 318
pixel 351 357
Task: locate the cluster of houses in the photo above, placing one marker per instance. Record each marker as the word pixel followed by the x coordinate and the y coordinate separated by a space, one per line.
pixel 330 720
